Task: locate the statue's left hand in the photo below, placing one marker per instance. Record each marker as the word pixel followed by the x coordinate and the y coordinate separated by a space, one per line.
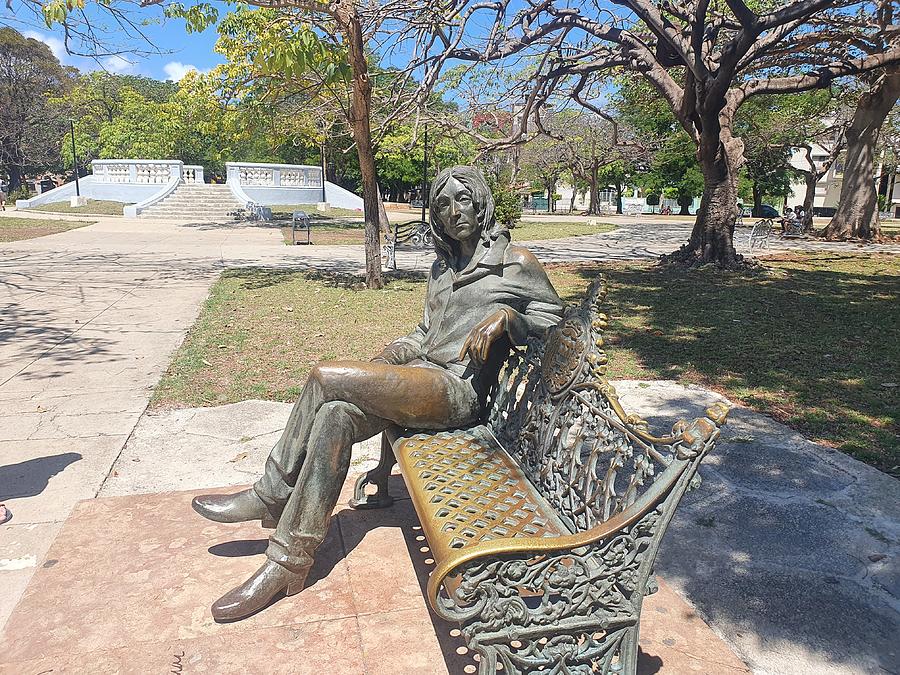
pixel 479 341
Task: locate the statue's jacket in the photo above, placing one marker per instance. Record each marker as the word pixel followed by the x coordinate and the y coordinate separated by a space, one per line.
pixel 499 276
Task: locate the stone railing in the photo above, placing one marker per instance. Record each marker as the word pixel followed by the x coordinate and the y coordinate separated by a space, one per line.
pixel 192 173
pixel 274 175
pixel 137 171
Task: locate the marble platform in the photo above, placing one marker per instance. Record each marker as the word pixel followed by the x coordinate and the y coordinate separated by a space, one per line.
pixel 126 588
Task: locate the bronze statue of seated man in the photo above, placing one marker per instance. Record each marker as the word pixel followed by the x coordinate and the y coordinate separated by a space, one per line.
pixel 484 295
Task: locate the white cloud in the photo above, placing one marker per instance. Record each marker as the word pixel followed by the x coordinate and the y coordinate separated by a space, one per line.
pixel 56 45
pixel 118 65
pixel 175 70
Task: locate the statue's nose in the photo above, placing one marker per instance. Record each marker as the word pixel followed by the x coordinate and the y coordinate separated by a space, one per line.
pixel 453 207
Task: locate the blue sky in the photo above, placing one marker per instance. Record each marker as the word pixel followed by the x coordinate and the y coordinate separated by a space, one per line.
pixel 180 52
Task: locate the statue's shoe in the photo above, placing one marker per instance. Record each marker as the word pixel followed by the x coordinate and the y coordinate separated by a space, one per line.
pixel 237 508
pixel 258 591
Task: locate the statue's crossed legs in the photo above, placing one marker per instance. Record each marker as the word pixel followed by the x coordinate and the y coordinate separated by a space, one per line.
pixel 342 402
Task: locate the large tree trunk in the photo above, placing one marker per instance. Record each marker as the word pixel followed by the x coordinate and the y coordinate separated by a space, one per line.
pixel 857 211
pixel 619 190
pixel 809 196
pixel 15 177
pixel 594 205
pixel 756 211
pixel 712 239
pixel 360 111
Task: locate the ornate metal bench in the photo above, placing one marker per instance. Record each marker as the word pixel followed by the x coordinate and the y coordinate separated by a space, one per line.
pixel 416 234
pixel 544 522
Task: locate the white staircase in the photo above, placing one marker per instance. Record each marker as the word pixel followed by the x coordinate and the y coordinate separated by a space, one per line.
pixel 196 201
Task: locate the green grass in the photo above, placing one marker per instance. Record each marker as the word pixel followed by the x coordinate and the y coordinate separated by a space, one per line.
pixel 328 231
pixel 94 207
pixel 811 340
pixel 16 229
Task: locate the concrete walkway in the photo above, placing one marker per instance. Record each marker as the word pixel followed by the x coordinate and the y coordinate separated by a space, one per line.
pixel 91 318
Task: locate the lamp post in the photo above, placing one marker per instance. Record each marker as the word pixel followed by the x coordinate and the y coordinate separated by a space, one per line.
pixel 322 157
pixel 425 174
pixel 74 158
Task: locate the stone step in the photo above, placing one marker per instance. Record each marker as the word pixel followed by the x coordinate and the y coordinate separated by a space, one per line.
pixel 201 202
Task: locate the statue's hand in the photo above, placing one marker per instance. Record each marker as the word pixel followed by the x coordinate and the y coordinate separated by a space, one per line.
pixel 479 341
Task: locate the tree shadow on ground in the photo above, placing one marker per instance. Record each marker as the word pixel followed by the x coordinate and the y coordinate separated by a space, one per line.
pixel 256 278
pixel 806 344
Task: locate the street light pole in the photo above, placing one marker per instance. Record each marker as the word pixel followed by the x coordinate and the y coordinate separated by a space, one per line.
pixel 75 158
pixel 425 174
pixel 322 157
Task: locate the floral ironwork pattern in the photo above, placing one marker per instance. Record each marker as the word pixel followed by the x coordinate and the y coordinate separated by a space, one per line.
pixel 560 421
pixel 501 600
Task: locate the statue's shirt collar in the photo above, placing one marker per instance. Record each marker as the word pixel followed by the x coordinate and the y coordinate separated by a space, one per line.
pixel 488 259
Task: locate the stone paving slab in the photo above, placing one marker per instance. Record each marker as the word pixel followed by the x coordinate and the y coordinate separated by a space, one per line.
pixel 127 584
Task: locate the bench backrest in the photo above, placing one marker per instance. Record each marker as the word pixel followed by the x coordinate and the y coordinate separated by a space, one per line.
pixel 556 413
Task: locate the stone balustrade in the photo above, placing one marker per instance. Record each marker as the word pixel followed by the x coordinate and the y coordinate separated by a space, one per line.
pixel 137 171
pixel 274 175
pixel 192 173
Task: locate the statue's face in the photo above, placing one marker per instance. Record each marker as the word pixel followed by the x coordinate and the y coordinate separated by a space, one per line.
pixel 456 211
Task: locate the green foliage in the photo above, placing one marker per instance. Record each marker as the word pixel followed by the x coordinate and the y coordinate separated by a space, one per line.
pixel 30 126
pixel 507 202
pixel 265 42
pixel 652 199
pixel 19 193
pixel 674 170
pixel 770 126
pixel 197 18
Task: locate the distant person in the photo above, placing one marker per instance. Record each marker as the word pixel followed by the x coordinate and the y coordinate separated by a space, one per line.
pixel 788 219
pixel 800 215
pixel 2 200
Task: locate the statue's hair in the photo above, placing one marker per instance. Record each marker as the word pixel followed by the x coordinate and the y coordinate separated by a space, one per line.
pixel 489 229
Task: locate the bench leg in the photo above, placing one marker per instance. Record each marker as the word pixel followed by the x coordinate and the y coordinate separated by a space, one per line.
pixel 377 477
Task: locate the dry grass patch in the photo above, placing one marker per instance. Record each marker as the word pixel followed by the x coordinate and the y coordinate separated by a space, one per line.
pixel 94 207
pixel 17 229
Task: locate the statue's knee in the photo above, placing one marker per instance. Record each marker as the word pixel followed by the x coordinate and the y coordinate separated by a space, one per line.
pixel 336 412
pixel 324 373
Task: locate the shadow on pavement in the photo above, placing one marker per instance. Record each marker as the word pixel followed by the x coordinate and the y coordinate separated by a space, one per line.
pixel 30 478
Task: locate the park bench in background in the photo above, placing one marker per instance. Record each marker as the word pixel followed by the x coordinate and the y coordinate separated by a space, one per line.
pixel 416 234
pixel 545 521
pixel 300 221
